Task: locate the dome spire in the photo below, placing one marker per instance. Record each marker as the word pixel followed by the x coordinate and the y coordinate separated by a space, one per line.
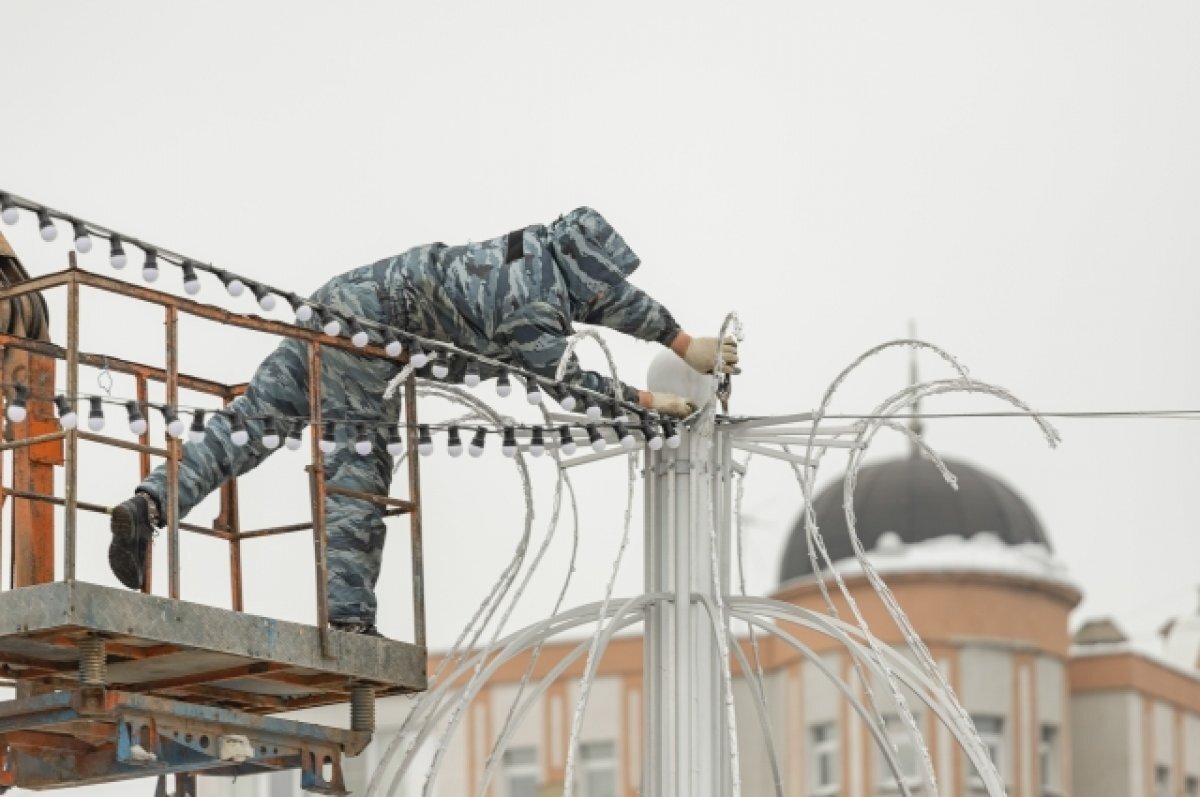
pixel 918 428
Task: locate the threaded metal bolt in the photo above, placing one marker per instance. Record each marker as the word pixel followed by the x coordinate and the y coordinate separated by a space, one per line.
pixel 93 664
pixel 362 708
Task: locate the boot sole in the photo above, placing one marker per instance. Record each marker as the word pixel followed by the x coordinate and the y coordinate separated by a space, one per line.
pixel 123 550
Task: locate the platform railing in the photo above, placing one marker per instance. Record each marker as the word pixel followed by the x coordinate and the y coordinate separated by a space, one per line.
pixel 227 526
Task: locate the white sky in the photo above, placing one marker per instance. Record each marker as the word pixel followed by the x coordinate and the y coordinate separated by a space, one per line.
pixel 1021 178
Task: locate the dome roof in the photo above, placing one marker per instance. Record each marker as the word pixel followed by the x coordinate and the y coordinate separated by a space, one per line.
pixel 909 498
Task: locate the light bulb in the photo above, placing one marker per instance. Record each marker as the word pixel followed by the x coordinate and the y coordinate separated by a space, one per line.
pixel 332 327
pixel 8 210
pixel 359 338
pixel 362 443
pixel 566 443
pixel 395 446
pixel 477 442
pixel 503 385
pixel 239 435
pixel 292 441
pixel 175 427
pixel 509 447
pixel 266 300
pixel 393 348
pixel 16 406
pixel 83 241
pixel 150 266
pixel 440 370
pixel 196 432
pixel 424 441
pixel 537 444
pixel 671 434
pixel 234 285
pixel 627 440
pixel 653 440
pixel 46 225
pixel 137 423
pixel 592 409
pixel 565 398
pixel 191 283
pixel 454 446
pixel 532 394
pixel 417 355
pixel 116 253
pixel 328 439
pixel 471 378
pixel 304 312
pixel 598 442
pixel 270 438
pixel 67 417
pixel 95 414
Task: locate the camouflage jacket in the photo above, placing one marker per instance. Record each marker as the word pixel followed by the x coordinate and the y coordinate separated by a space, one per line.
pixel 514 298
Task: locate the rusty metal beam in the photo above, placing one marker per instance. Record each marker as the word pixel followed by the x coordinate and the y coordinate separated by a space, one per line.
pixel 199 678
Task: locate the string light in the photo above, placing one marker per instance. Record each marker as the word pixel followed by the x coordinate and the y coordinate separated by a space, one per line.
pixel 116 253
pixel 196 432
pixel 137 422
pixel 83 241
pixel 150 266
pixel 303 310
pixel 175 427
pixel 239 435
pixel 393 348
pixel 564 397
pixel 8 210
pixel 395 445
pixel 191 282
pixel 477 442
pixel 416 355
pixel 532 394
pixel 598 442
pixel 358 335
pixel 454 446
pixel 46 225
pixel 95 414
pixel 440 368
pixel 329 438
pixel 624 436
pixel 472 376
pixel 424 441
pixel 671 434
pixel 270 437
pixel 566 443
pixel 266 300
pixel 67 418
pixel 591 409
pixel 16 405
pixel 233 284
pixel 330 325
pixel 537 445
pixel 293 442
pixel 362 442
pixel 653 439
pixel 503 384
pixel 509 447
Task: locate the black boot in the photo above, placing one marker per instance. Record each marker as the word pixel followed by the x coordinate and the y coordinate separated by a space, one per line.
pixel 133 524
pixel 355 627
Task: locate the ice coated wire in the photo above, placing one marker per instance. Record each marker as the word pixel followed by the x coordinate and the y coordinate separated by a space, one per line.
pixel 754 674
pixel 899 401
pixel 585 686
pixel 483 614
pixel 509 720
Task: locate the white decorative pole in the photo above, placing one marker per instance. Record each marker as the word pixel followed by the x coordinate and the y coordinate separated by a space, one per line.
pixel 686 753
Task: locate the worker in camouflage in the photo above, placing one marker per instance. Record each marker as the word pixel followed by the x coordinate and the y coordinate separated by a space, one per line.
pixel 512 298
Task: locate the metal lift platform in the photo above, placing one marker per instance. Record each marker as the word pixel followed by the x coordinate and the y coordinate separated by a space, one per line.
pixel 113 685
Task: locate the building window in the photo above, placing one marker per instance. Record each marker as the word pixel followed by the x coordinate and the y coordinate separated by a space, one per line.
pixel 906 755
pixel 1191 786
pixel 1048 758
pixel 521 776
pixel 991 733
pixel 824 758
pixel 598 769
pixel 1162 781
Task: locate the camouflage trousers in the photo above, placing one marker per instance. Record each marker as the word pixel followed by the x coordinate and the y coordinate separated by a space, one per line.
pixel 352 387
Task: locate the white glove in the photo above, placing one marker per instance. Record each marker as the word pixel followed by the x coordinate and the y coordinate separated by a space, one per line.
pixel 702 355
pixel 672 405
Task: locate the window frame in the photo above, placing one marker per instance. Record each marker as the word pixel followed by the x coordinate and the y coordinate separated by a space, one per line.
pixel 897 731
pixel 1049 750
pixel 512 769
pixel 610 763
pixel 1000 740
pixel 826 746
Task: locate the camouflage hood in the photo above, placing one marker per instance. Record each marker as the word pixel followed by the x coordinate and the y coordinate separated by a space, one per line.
pixel 590 254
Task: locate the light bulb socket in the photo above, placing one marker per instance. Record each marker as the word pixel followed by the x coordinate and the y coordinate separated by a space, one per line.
pixel 626 439
pixel 362 440
pixel 424 441
pixel 533 393
pixel 670 433
pixel 46 225
pixel 116 252
pixel 67 417
pixel 503 384
pixel 471 376
pixel 395 444
pixel 537 442
pixel 292 441
pixel 478 441
pixel 196 430
pixel 509 446
pixel 83 241
pixel 454 446
pixel 237 426
pixel 566 441
pixel 95 413
pixel 150 266
pixel 270 434
pixel 595 438
pixel 8 209
pixel 134 411
pixel 191 282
